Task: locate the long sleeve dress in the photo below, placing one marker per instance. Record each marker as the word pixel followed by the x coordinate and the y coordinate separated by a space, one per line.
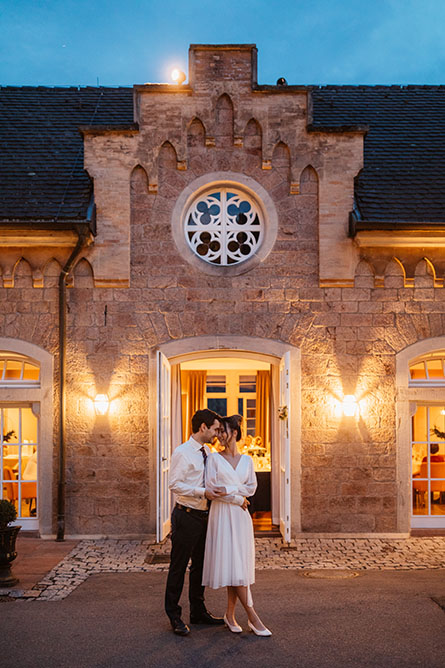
pixel 230 547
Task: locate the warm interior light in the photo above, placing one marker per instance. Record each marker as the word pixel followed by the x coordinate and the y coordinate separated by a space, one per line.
pixel 349 405
pixel 178 76
pixel 101 404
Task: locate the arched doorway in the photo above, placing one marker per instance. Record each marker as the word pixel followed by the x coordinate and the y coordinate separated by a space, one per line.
pixel 237 361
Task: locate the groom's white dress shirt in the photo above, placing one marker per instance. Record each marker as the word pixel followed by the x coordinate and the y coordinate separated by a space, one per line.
pixel 187 475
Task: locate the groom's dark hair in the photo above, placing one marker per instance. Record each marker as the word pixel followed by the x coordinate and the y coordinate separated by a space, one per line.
pixel 204 415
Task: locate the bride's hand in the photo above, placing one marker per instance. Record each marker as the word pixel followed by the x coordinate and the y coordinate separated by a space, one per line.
pixel 246 503
pixel 214 493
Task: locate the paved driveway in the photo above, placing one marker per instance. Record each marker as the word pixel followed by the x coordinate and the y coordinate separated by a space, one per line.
pixel 379 618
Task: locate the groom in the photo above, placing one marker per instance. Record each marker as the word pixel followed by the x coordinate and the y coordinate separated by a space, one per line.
pixel 189 522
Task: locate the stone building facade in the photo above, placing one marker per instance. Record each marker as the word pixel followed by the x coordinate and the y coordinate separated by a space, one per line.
pixel 340 292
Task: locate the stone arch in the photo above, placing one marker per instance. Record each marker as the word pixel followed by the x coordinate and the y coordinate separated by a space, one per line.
pixel 224 115
pixel 281 156
pixel 83 274
pixel 394 275
pixel 308 185
pixel 22 274
pixel 167 157
pixel 309 181
pixel 424 274
pixel 51 272
pixel 196 134
pixel 253 138
pixel 138 181
pixel 270 350
pixel 364 275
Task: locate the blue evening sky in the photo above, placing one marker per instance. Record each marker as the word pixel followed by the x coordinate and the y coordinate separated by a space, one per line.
pixel 122 42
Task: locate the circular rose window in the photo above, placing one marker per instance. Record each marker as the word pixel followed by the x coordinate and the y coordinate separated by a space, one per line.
pixel 223 226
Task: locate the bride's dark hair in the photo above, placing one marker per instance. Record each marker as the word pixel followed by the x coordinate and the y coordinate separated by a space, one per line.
pixel 234 422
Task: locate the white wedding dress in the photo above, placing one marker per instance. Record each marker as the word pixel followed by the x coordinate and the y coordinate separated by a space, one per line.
pixel 230 547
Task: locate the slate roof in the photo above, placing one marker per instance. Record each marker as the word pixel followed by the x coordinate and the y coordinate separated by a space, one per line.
pixel 403 178
pixel 41 148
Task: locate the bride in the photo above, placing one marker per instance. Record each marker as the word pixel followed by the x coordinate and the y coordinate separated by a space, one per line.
pixel 229 559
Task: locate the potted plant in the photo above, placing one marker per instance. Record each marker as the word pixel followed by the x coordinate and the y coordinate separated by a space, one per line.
pixel 8 535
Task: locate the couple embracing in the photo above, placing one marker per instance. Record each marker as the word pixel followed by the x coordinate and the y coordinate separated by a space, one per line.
pixel 219 541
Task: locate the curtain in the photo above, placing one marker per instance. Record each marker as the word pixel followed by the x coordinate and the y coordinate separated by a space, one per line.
pixel 177 436
pixel 193 388
pixel 263 406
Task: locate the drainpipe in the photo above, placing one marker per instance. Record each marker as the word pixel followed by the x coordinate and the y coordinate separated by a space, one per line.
pixel 82 241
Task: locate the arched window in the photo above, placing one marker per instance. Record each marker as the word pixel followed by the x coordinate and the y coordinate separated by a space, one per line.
pixel 429 370
pixel 21 393
pixel 223 226
pixel 428 440
pixel 18 371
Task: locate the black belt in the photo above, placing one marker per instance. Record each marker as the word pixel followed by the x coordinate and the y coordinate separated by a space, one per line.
pixel 193 511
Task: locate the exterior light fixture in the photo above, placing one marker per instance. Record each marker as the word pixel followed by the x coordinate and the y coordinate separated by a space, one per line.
pixel 101 404
pixel 349 405
pixel 178 76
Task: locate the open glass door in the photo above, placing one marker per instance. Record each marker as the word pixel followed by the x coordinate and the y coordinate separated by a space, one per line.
pixel 285 447
pixel 164 446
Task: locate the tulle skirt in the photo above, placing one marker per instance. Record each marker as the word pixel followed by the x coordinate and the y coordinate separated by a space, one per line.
pixel 230 547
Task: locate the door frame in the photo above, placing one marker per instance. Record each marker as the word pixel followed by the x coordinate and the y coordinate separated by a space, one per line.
pixel 41 400
pixel 267 350
pixel 407 399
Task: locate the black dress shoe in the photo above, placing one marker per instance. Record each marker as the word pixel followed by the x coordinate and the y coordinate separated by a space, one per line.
pixel 206 618
pixel 179 627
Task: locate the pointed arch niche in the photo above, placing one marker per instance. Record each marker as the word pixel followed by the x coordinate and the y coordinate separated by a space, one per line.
pixel 224 122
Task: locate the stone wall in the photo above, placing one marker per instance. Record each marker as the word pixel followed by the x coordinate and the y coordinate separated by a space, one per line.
pixel 348 336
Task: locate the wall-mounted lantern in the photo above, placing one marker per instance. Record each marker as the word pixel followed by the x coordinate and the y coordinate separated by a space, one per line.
pixel 349 405
pixel 101 404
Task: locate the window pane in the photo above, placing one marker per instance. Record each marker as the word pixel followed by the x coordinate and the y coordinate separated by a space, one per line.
pixel 13 370
pixel 29 499
pixel 437 423
pixel 2 368
pixel 240 406
pixel 11 425
pixel 247 383
pixel 216 384
pixel 437 452
pixel 434 368
pixel 417 371
pixel 420 425
pixel 29 463
pixel 11 491
pixel 29 426
pixel 420 460
pixel 31 372
pixel 217 404
pixel 420 497
pixel 437 470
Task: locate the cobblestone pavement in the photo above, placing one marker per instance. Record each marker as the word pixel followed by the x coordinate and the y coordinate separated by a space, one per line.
pixel 122 556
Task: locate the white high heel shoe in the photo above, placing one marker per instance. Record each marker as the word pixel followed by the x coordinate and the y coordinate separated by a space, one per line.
pixel 264 632
pixel 235 628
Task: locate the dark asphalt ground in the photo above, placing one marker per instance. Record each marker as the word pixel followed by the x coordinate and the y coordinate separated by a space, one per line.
pixel 380 619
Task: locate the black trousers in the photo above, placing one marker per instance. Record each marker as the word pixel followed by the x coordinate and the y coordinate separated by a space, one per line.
pixel 188 535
